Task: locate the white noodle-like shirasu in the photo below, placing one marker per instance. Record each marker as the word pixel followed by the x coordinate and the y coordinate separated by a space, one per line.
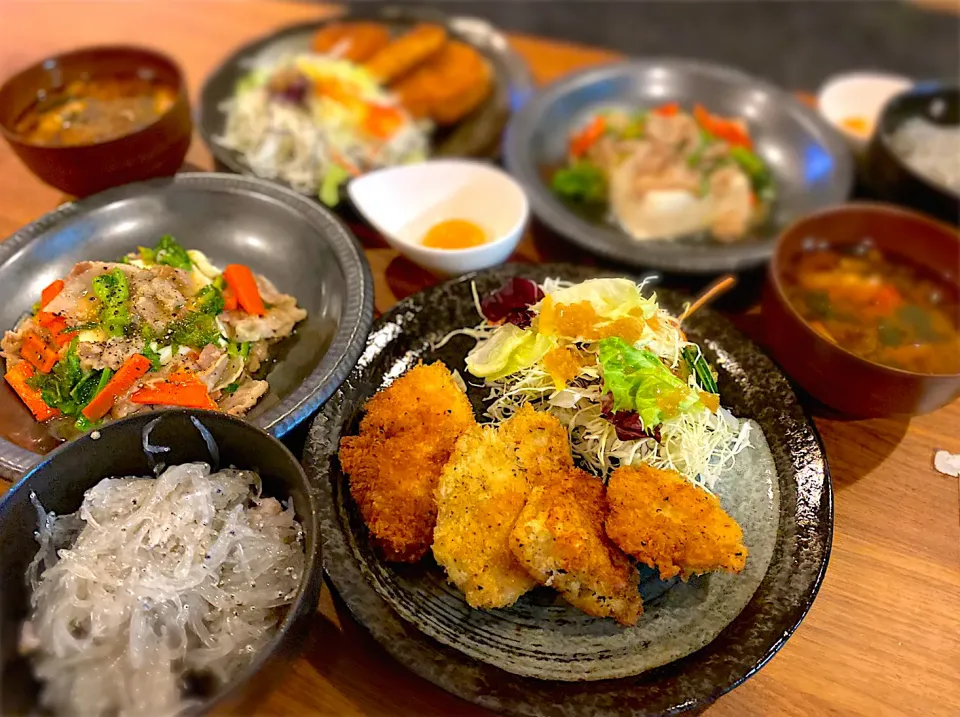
pixel 168 580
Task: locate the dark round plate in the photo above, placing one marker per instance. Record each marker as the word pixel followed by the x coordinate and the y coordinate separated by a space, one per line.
pixel 477 135
pixel 811 164
pixel 302 248
pixel 404 605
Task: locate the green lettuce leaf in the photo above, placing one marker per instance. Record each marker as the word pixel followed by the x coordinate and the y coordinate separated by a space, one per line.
pixel 639 381
pixel 611 298
pixel 507 351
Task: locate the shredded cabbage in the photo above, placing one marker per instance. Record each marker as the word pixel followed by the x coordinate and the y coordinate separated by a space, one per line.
pixel 693 440
pixel 155 583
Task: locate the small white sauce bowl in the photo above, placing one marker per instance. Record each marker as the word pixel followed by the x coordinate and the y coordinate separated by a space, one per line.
pixel 403 203
pixel 858 94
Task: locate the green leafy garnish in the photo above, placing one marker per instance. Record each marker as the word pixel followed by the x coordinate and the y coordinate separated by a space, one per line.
pixel 148 352
pixel 68 387
pixel 196 330
pixel 169 252
pixel 241 349
pixel 582 182
pixel 330 186
pixel 639 381
pixel 700 368
pixel 209 300
pixel 114 294
pixel 231 388
pixel 755 169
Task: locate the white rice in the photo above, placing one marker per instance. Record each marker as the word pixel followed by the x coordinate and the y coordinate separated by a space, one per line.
pixel 931 150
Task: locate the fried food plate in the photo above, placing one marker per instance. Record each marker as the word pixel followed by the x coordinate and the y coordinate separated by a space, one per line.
pixel 475 135
pixel 695 640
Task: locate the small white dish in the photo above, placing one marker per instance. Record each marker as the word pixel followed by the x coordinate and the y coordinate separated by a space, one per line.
pixel 858 97
pixel 403 203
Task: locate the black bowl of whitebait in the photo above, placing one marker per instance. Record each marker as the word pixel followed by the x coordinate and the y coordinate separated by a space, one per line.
pixel 145 446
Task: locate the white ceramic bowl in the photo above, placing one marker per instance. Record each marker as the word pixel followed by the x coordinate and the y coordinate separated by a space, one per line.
pixel 403 203
pixel 858 95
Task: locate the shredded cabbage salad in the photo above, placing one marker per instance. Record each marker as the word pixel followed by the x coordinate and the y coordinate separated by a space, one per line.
pixel 616 370
pixel 315 121
pixel 154 584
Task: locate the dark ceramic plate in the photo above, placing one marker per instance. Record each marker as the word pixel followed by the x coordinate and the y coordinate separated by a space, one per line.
pixel 60 482
pixel 888 176
pixel 477 135
pixel 302 248
pixel 811 164
pixel 489 657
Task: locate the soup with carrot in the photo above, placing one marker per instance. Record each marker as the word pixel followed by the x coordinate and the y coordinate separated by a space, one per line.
pixel 98 109
pixel 880 306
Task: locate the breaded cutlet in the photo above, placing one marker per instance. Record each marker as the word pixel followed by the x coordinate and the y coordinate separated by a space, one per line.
pixel 665 521
pixel 559 538
pixel 407 51
pixel 541 442
pixel 481 492
pixel 405 439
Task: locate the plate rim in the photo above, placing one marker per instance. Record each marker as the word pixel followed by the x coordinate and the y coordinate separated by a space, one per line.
pixel 345 348
pixel 485 684
pixel 724 257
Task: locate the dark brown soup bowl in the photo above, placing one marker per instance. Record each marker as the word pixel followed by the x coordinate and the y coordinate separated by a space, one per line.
pixel 830 373
pixel 156 150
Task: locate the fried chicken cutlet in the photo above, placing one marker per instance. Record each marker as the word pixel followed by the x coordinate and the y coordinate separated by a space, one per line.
pixel 559 538
pixel 409 430
pixel 353 41
pixel 447 86
pixel 665 521
pixel 540 440
pixel 407 51
pixel 481 492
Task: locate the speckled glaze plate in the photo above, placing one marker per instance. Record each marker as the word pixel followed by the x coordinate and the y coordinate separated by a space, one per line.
pixel 695 641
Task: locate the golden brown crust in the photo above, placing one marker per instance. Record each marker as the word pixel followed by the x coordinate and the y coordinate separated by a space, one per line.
pixel 407 51
pixel 667 522
pixel 448 86
pixel 406 437
pixel 559 538
pixel 540 440
pixel 355 41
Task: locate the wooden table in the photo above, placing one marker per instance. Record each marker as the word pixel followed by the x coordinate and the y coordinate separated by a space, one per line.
pixel 882 637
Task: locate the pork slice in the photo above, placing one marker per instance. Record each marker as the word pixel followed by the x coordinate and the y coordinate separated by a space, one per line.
pixel 731 194
pixel 244 398
pixel 112 353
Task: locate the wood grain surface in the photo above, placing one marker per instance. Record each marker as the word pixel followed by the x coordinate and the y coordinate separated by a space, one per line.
pixel 882 637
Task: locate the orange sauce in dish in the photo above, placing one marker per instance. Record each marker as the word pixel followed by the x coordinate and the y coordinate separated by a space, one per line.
pixel 858 125
pixel 454 234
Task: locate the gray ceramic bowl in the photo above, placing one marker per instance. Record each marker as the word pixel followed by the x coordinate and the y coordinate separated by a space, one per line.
pixel 302 248
pixel 810 162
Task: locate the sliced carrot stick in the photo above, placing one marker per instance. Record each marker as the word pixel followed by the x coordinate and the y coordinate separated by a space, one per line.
pixel 17 378
pixel 36 351
pixel 182 389
pixel 241 281
pixel 588 136
pixel 229 300
pixel 50 293
pixel 667 110
pixel 128 374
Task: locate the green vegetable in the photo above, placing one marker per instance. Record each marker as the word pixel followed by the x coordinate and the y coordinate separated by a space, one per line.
pixel 700 368
pixel 918 319
pixel 635 127
pixel 196 330
pixel 330 187
pixel 154 356
pixel 68 387
pixel 639 381
pixel 89 326
pixel 582 182
pixel 114 294
pixel 508 350
pixel 755 169
pixel 209 300
pixel 252 80
pixel 239 349
pixel 890 335
pixel 169 252
pixel 220 282
pixel 35 309
pixel 231 388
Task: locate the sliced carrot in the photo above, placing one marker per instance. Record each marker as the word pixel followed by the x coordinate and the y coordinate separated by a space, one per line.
pixel 182 389
pixel 132 371
pixel 17 378
pixel 382 121
pixel 588 136
pixel 57 326
pixel 229 300
pixel 51 292
pixel 36 351
pixel 45 318
pixel 887 299
pixel 241 281
pixel 668 110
